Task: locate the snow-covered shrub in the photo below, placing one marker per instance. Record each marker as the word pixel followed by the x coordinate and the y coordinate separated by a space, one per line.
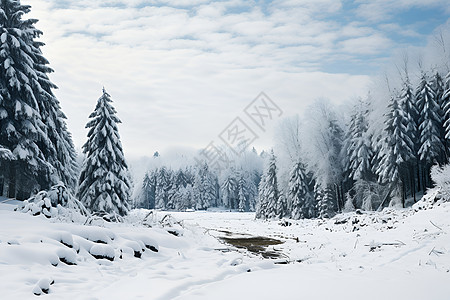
pixel 441 179
pixel 57 202
pixel 39 204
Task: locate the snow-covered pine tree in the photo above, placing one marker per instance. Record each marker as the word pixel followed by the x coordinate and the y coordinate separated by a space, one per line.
pixel 318 198
pixel 32 124
pixel 241 197
pixel 184 198
pixel 104 184
pixel 181 179
pixel 148 190
pixel 359 149
pixel 395 149
pixel 299 196
pixel 445 105
pixel 163 185
pixel 229 189
pixel 438 87
pixel 268 191
pixel 431 147
pixel 252 180
pixel 325 205
pixel 205 188
pixel 211 188
pixel 410 115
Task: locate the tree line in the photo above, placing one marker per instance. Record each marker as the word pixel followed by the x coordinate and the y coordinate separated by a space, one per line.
pixel 367 162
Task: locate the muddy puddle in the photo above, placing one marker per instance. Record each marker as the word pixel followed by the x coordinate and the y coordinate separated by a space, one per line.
pixel 255 244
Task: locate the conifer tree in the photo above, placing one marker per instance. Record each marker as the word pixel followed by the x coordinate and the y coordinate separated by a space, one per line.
pixel 359 150
pixel 205 188
pixel 241 198
pixel 163 186
pixel 229 190
pixel 104 183
pixel 325 203
pixel 430 121
pixel 410 115
pixel 395 149
pixel 33 127
pixel 445 105
pixel 298 193
pixel 268 192
pixel 148 190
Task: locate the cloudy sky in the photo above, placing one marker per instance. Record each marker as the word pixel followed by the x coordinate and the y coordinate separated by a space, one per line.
pixel 179 71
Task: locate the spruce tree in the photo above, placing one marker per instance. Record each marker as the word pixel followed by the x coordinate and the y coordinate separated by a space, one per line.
pixel 268 192
pixel 32 124
pixel 431 147
pixel 445 105
pixel 229 190
pixel 359 149
pixel 410 115
pixel 395 149
pixel 104 184
pixel 298 194
pixel 163 186
pixel 325 203
pixel 241 198
pixel 148 190
pixel 205 188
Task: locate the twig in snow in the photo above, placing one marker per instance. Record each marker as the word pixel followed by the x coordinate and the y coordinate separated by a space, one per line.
pixel 435 225
pixel 437 252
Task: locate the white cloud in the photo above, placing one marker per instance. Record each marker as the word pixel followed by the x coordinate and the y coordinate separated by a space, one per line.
pixel 180 71
pixel 372 44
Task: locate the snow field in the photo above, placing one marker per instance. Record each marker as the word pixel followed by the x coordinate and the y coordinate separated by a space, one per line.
pixel 394 254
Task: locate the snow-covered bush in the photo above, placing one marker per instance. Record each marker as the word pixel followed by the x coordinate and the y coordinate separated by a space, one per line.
pixel 441 179
pixel 57 202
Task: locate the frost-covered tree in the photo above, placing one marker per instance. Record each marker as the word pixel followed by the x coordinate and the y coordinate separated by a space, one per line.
pixel 229 189
pixel 410 115
pixel 205 188
pixel 324 148
pixel 430 121
pixel 149 190
pixel 359 151
pixel 302 202
pixel 32 124
pixel 396 149
pixel 241 198
pixel 438 86
pixel 325 204
pixel 163 186
pixel 445 105
pixel 104 184
pixel 268 191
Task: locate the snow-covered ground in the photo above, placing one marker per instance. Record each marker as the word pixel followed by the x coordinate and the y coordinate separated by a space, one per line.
pixel 396 254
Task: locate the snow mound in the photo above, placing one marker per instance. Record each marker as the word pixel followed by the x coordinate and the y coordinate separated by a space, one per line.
pixel 67 256
pixel 43 286
pixel 96 234
pixel 101 251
